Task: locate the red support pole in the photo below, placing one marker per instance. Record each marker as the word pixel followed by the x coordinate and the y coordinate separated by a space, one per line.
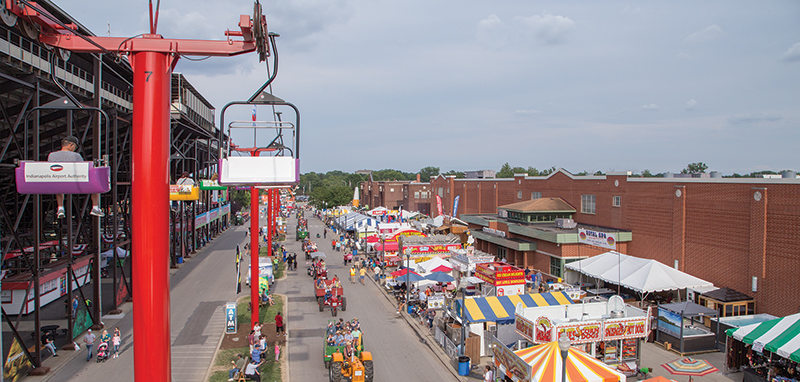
pixel 270 220
pixel 152 77
pixel 254 237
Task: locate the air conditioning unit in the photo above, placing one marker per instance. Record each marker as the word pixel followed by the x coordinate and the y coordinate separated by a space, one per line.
pixel 566 223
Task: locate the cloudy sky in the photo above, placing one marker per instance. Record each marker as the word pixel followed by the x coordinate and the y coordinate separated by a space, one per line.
pixel 465 85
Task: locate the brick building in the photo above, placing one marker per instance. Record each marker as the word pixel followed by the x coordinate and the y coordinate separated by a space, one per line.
pixel 734 232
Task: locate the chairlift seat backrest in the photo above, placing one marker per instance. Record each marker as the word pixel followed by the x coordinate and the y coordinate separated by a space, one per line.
pixel 34 177
pixel 266 171
pixel 184 192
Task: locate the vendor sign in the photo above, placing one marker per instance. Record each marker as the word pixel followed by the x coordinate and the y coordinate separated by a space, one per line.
pixel 200 220
pixel 436 301
pixel 208 184
pixel 625 328
pixel 597 239
pixel 514 365
pixel 183 192
pixel 435 248
pixel 524 327
pixel 543 330
pixel 581 333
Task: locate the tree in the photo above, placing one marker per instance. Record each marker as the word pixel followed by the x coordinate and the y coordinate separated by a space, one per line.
pixel 647 174
pixel 426 173
pixel 458 174
pixel 695 168
pixel 506 171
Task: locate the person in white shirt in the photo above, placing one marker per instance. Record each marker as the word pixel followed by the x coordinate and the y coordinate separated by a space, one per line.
pixel 251 371
pixel 487 374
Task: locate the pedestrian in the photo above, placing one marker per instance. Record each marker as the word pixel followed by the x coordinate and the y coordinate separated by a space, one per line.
pixel 277 350
pixel 487 374
pixel 279 324
pixel 238 365
pixel 352 275
pixel 105 337
pixel 88 340
pixel 48 343
pixel 257 330
pixel 325 233
pixel 377 273
pixel 251 340
pixel 116 341
pixel 251 371
pixel 362 274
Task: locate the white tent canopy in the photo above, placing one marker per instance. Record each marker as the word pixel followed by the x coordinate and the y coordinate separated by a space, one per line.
pixel 641 275
pixel 426 266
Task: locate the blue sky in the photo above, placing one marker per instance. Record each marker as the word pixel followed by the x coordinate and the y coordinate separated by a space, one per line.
pixel 465 85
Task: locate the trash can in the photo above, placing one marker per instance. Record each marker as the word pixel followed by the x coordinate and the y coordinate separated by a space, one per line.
pixel 463 365
pixel 179 260
pixel 409 310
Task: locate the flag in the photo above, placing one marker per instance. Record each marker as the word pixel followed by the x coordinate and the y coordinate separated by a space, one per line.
pixel 455 206
pixel 238 270
pixel 400 215
pixel 439 205
pixel 254 115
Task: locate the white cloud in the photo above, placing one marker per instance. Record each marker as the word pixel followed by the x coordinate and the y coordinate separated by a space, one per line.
pixel 792 54
pixel 527 112
pixel 651 106
pixel 709 34
pixel 691 104
pixel 547 28
pixel 754 118
pixel 492 31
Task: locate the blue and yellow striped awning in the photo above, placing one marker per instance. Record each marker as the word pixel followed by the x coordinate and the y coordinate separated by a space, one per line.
pixel 501 308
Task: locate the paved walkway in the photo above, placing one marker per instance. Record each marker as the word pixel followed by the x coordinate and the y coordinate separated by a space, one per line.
pixel 199 290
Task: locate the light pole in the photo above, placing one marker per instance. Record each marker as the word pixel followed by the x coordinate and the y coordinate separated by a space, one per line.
pixel 563 345
pixel 463 286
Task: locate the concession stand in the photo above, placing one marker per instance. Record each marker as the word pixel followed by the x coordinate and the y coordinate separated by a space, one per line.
pixel 609 331
pixel 500 279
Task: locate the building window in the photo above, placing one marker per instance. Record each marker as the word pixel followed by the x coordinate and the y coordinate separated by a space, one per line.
pixel 536 195
pixel 416 194
pixel 555 266
pixel 616 201
pixel 501 253
pixel 441 192
pixel 519 194
pixel 391 190
pixel 588 204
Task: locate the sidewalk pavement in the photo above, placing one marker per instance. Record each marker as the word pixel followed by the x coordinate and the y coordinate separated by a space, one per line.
pixel 653 355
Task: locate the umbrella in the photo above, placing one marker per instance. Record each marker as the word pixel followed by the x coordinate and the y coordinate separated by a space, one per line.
pixel 402 272
pixel 659 379
pixel 412 278
pixel 318 254
pixel 440 277
pixel 690 366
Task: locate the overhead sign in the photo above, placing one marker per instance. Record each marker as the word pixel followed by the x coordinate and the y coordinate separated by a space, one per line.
pixel 597 239
pixel 494 232
pixel 433 248
pixel 543 330
pixel 208 184
pixel 436 301
pixel 70 172
pixel 230 318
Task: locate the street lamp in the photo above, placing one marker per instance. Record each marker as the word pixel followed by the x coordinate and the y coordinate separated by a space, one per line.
pixel 563 345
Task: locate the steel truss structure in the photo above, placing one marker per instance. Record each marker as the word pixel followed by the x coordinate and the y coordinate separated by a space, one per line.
pixel 31 76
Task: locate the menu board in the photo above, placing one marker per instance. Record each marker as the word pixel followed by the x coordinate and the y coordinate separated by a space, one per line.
pixel 628 349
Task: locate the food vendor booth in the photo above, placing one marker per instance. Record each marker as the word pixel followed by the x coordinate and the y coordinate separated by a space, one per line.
pixel 609 331
pixel 766 351
pixel 543 363
pixel 500 279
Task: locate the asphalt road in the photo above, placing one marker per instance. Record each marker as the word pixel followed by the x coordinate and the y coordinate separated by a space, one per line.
pixel 198 293
pixel 398 353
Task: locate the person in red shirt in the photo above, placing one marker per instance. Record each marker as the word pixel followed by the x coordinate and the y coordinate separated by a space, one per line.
pixel 279 324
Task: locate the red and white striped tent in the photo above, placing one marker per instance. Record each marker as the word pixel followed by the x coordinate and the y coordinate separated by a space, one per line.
pixel 543 363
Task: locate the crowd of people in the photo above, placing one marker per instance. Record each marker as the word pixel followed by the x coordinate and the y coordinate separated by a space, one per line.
pixel 107 341
pixel 259 348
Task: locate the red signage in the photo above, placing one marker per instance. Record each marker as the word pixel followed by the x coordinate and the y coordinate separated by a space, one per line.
pixel 435 248
pixel 631 328
pixel 544 330
pixel 524 327
pixel 581 333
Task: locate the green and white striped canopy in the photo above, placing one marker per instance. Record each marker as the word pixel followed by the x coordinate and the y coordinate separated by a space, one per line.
pixel 780 336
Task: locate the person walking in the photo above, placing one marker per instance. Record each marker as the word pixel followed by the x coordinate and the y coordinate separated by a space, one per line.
pixel 362 274
pixel 88 340
pixel 352 275
pixel 116 341
pixel 279 324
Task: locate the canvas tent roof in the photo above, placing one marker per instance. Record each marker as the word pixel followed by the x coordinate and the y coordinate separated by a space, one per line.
pixel 501 308
pixel 780 336
pixel 641 275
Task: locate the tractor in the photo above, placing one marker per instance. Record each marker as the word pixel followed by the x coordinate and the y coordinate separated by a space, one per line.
pixel 357 369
